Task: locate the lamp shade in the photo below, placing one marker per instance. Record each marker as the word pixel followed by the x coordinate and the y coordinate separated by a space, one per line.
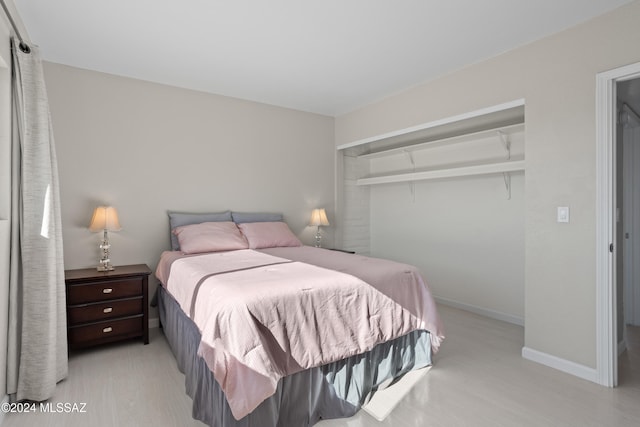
pixel 105 218
pixel 319 217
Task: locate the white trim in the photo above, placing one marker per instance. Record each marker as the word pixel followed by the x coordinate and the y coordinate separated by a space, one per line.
pixel 504 317
pixel 605 306
pixel 435 123
pixel 606 309
pixel 567 366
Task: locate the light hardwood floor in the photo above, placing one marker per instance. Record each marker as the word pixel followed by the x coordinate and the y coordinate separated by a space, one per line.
pixel 479 379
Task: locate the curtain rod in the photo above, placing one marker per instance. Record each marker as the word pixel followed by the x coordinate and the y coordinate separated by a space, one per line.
pixel 23 45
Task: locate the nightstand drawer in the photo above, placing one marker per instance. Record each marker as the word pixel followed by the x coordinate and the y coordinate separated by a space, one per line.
pixel 104 290
pixel 105 310
pixel 104 331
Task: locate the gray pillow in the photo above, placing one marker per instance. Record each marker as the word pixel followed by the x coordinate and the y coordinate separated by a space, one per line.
pixel 242 217
pixel 176 219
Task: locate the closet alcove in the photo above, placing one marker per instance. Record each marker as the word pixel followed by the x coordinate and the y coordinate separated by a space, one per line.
pixel 448 197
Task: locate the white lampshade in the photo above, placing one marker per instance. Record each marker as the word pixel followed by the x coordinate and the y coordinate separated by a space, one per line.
pixel 319 217
pixel 105 218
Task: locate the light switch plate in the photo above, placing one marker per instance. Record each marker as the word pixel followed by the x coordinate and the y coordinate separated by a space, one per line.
pixel 563 214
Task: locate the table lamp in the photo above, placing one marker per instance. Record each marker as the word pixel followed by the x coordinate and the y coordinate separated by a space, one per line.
pixel 105 219
pixel 319 218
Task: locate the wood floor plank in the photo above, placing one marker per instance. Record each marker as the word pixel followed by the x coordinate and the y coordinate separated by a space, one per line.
pixel 479 379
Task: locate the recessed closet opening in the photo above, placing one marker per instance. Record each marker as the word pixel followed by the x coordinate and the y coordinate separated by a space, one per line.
pixel 447 197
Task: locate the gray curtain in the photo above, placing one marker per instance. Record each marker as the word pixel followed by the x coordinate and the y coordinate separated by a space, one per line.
pixel 37 340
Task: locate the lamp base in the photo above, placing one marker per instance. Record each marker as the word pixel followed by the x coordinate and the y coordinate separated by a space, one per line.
pixel 318 238
pixel 105 261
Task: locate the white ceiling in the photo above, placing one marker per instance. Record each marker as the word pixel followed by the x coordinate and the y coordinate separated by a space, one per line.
pixel 324 56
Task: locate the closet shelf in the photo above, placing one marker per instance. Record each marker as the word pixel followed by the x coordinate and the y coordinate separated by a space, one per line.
pixel 505 112
pixel 499 133
pixel 483 169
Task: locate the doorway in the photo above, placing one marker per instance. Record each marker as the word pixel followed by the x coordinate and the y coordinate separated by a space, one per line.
pixel 610 232
pixel 628 230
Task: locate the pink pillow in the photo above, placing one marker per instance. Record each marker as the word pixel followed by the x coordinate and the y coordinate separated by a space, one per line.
pixel 268 234
pixel 210 237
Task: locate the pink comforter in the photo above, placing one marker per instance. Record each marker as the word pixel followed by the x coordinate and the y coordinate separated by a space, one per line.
pixel 263 317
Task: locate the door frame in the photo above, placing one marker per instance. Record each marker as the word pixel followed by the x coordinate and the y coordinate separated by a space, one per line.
pixel 606 308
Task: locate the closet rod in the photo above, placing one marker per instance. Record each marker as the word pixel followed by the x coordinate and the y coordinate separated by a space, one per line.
pixel 24 47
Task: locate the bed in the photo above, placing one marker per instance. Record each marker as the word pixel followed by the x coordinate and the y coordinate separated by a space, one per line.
pixel 269 332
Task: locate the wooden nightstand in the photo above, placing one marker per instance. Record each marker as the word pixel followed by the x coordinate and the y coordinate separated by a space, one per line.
pixel 107 306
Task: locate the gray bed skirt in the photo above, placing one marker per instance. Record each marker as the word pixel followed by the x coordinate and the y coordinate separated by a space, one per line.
pixel 335 390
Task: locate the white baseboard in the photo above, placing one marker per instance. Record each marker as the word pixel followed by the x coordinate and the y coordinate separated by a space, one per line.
pixel 154 322
pixel 622 346
pixel 576 369
pixel 509 318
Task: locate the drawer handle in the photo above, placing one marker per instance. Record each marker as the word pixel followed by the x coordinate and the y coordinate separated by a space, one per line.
pixel 107 310
pixel 107 290
pixel 107 329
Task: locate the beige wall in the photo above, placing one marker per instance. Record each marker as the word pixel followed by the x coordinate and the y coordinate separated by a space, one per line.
pixel 146 148
pixel 556 76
